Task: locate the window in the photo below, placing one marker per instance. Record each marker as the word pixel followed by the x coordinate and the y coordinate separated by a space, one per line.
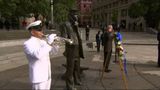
pixel 84 5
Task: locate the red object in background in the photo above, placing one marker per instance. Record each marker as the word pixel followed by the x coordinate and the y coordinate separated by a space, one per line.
pixel 24 23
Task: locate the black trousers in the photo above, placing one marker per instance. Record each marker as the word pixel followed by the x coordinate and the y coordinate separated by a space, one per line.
pixel 107 58
pixel 87 37
pixel 98 46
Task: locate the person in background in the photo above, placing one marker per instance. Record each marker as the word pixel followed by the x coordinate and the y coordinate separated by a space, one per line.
pixel 87 32
pixel 107 40
pixel 98 41
pixel 37 52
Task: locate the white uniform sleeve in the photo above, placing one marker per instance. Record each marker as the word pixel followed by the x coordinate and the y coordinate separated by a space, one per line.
pixel 55 49
pixel 37 51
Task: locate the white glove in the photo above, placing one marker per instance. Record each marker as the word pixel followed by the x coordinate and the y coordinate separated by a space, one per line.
pixel 76 23
pixel 51 38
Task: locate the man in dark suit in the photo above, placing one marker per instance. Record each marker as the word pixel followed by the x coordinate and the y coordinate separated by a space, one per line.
pixel 73 51
pixel 107 40
pixel 158 38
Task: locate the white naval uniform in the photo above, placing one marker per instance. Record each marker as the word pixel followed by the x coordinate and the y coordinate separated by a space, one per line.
pixel 37 53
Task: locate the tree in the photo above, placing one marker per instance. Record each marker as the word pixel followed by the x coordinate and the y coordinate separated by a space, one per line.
pixel 114 16
pixel 136 10
pixel 61 8
pixel 23 7
pixel 60 13
pixel 149 9
pixel 7 7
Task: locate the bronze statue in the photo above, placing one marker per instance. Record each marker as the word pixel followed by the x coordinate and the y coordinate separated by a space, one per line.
pixel 74 51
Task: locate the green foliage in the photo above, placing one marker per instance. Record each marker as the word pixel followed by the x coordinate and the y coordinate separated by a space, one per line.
pixel 149 9
pixel 18 8
pixel 61 8
pixel 23 7
pixel 67 3
pixel 136 10
pixel 115 16
pixel 7 7
pixel 60 13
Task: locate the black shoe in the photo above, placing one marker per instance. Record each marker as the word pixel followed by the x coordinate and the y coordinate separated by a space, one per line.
pixel 107 71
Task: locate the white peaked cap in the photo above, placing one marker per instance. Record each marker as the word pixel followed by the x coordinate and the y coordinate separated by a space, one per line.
pixel 35 23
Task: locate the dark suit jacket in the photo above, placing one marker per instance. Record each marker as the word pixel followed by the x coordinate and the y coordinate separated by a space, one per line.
pixel 107 41
pixel 158 37
pixel 70 31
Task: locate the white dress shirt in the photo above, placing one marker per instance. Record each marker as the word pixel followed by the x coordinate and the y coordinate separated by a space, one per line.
pixel 37 52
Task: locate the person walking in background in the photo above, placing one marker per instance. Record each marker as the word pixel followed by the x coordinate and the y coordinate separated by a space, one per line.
pixel 98 41
pixel 107 40
pixel 158 38
pixel 87 32
pixel 37 52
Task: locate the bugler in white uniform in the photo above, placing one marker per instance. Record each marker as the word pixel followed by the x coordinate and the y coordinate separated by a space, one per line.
pixel 37 52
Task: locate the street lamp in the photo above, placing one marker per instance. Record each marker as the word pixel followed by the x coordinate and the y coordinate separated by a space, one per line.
pixel 51 12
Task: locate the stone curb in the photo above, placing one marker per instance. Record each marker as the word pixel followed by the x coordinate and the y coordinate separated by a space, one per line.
pixel 7 43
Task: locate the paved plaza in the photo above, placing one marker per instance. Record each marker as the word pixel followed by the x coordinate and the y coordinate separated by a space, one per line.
pixel 141 55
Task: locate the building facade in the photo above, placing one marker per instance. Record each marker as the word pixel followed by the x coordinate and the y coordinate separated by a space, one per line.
pixel 111 12
pixel 85 12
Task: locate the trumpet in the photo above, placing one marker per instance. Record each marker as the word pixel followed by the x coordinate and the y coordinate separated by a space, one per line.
pixel 59 39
